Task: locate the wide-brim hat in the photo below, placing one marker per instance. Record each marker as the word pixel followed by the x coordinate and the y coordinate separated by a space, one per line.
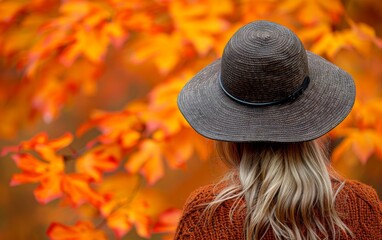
pixel 267 87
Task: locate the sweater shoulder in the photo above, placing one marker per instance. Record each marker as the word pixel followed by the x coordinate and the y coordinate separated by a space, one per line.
pixel 200 197
pixel 362 192
pixel 194 225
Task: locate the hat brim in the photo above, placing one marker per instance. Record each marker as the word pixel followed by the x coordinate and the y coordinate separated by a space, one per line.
pixel 322 106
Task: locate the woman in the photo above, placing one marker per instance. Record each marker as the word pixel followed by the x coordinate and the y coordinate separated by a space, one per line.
pixel 266 102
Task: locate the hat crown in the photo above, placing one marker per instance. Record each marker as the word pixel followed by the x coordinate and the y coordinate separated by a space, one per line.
pixel 263 62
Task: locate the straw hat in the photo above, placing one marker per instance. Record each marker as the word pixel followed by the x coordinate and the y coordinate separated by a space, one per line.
pixel 267 87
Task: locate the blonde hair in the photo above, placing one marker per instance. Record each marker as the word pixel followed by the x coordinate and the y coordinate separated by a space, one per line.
pixel 286 187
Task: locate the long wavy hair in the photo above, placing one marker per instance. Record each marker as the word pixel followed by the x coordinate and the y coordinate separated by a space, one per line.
pixel 287 188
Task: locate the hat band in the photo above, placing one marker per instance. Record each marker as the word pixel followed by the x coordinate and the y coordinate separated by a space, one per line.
pixel 289 98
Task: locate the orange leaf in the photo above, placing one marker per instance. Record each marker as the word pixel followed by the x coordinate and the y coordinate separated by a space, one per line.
pixel 49 189
pixel 77 189
pixel 129 138
pixel 80 231
pixel 120 189
pixel 363 143
pixel 341 149
pixel 363 146
pixel 199 22
pixel 9 9
pixel 168 221
pixel 178 149
pixel 163 116
pixel 366 32
pixel 40 140
pixel 89 43
pixel 103 158
pixel 116 33
pixel 122 220
pixel 117 127
pixel 126 205
pixel 30 164
pixel 147 160
pixel 165 50
pixel 48 173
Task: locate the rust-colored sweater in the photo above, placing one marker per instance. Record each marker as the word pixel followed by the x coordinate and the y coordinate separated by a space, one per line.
pixel 358 205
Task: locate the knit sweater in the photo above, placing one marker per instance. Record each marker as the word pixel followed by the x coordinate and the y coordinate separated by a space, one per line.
pixel 358 206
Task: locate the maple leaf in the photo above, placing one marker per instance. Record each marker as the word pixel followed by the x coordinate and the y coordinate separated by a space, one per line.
pixel 39 141
pixel 147 160
pixel 359 37
pixel 116 33
pixel 362 142
pixel 135 15
pixel 47 173
pixel 89 43
pixel 164 50
pixel 368 114
pixel 80 231
pixel 175 150
pixel 126 207
pixel 361 131
pixel 162 114
pixel 122 127
pixel 314 11
pixel 123 219
pixel 81 29
pixel 33 169
pixel 49 189
pixel 167 222
pixel 78 191
pixel 58 84
pixel 200 21
pixel 103 158
pixel 76 24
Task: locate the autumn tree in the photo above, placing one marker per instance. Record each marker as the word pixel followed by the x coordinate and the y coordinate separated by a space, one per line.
pixel 102 78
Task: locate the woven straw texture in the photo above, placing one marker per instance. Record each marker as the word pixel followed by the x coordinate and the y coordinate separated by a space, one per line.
pixel 265 62
pixel 358 205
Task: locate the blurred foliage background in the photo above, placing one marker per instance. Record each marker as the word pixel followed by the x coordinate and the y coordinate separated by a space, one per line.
pixel 90 132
